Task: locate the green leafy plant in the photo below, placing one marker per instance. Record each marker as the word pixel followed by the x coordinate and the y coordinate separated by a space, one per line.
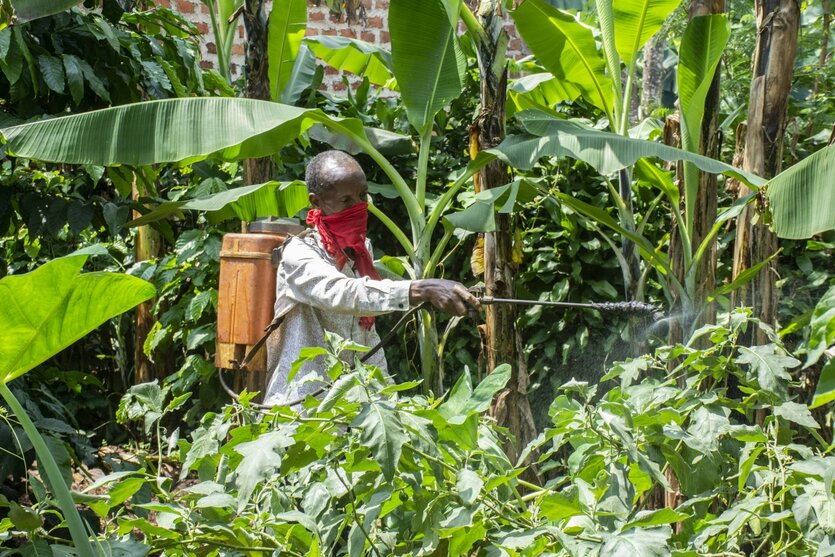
pixel 48 310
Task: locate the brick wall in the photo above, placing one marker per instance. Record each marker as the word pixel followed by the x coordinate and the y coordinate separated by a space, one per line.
pixel 372 28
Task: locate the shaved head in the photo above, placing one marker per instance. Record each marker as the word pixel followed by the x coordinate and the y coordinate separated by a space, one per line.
pixel 329 168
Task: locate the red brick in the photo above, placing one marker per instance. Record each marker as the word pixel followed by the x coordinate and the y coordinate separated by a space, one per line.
pixel 185 7
pixel 385 37
pixel 368 36
pixel 207 64
pixel 338 86
pixel 374 22
pixel 515 45
pixel 317 15
pixel 203 27
pixel 163 3
pixel 328 32
pixel 233 69
pixel 348 33
pixel 331 71
pixel 241 31
pixel 204 9
pixel 238 49
pixel 211 48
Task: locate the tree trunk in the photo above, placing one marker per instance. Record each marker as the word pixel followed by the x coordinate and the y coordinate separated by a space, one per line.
pixel 147 246
pixel 652 86
pixel 256 23
pixel 504 345
pixel 257 86
pixel 777 23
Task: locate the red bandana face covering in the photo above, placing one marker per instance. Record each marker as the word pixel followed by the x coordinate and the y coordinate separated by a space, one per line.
pixel 346 230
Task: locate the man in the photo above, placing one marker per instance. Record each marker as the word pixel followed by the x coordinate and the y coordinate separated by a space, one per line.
pixel 327 281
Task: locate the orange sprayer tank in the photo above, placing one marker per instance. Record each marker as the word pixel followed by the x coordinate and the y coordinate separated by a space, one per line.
pixel 246 291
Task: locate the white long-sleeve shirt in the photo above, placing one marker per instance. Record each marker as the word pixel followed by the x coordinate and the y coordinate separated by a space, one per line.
pixel 315 296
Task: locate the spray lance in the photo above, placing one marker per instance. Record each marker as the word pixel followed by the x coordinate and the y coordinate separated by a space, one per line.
pixel 650 311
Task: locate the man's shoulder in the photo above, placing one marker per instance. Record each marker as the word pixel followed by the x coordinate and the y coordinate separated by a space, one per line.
pixel 304 245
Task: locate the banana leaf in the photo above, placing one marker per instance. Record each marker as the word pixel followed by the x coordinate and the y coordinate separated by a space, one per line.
pixel 426 58
pixel 636 21
pixel 538 90
pixel 288 22
pixel 567 49
pixel 172 130
pixel 356 56
pixel 802 198
pixel 270 199
pixel 550 136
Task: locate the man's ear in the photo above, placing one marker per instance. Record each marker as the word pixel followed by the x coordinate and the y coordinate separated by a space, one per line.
pixel 314 200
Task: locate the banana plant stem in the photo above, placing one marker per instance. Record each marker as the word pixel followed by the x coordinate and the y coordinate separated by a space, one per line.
pixel 62 494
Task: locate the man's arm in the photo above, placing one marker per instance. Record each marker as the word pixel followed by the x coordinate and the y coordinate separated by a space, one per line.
pixel 316 282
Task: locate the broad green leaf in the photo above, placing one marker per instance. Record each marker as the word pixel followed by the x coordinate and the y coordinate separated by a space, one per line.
pixel 636 21
pixel 271 199
pixel 353 55
pixel 643 519
pixel 802 197
pixel 478 217
pixel 638 542
pixel 288 21
pixel 822 327
pixel 52 70
pixel 797 413
pixel 701 49
pixel 469 485
pixel 485 391
pixel 27 10
pixel 335 393
pixel 301 77
pixel 383 433
pixel 463 400
pixel 825 389
pixel 388 143
pixel 556 507
pixel 171 130
pixel 768 367
pixel 23 518
pixel 461 542
pixel 259 463
pixel 538 90
pixel 53 306
pixel 606 152
pixel 75 77
pixel 459 396
pixel 567 49
pixel 429 65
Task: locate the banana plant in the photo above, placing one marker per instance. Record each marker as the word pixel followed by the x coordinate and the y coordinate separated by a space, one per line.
pixel 44 312
pixel 569 50
pixel 224 15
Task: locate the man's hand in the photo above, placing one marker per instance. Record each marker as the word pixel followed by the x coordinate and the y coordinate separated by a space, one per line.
pixel 446 295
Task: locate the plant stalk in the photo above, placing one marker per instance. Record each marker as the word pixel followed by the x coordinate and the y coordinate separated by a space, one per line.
pixel 62 494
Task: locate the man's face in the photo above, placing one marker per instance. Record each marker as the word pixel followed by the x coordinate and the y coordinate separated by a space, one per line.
pixel 347 188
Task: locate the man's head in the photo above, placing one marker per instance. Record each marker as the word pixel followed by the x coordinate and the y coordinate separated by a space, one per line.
pixel 335 182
